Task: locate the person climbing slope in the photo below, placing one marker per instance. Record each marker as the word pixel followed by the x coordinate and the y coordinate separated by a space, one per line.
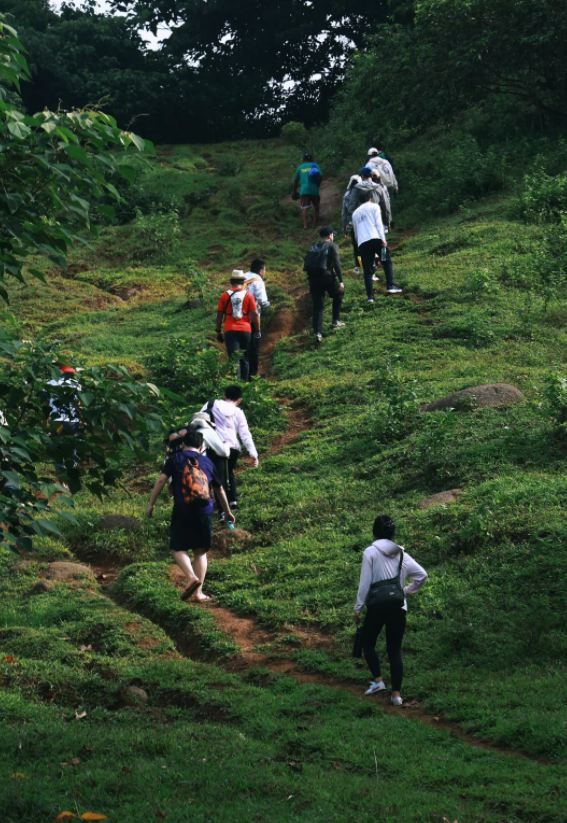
pixel 255 286
pixel 306 186
pixel 193 480
pixel 371 240
pixel 386 567
pixel 232 428
pixel 323 268
pixel 237 312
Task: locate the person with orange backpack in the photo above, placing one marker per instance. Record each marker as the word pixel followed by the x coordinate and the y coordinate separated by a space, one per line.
pixel 194 480
pixel 238 314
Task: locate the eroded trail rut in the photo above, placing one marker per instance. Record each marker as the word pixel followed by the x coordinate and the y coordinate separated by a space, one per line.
pixel 257 645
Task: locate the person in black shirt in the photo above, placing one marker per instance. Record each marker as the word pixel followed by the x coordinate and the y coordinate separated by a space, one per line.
pixel 325 278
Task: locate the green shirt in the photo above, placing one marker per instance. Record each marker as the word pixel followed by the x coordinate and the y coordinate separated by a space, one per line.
pixel 305 184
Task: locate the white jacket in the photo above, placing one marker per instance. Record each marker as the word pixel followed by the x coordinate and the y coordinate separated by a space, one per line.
pixel 367 223
pixel 380 561
pixel 385 170
pixel 232 426
pixel 257 288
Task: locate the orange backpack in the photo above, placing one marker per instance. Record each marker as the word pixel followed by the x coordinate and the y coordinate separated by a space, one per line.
pixel 194 484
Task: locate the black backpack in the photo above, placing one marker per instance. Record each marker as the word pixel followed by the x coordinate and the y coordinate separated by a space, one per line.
pixel 317 258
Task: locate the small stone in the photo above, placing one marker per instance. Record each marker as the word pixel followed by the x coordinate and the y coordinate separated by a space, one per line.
pixel 134 696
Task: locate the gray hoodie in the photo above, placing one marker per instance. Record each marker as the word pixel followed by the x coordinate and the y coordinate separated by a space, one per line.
pixel 379 195
pixel 380 561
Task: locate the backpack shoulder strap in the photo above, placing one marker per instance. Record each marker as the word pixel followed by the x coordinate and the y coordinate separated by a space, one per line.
pixel 401 562
pixel 209 411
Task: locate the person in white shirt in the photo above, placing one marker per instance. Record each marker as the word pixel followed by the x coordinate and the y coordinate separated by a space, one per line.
pixel 255 285
pixel 382 561
pixel 232 427
pixel 371 241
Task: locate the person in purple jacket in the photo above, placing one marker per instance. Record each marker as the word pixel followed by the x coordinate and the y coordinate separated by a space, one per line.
pixel 380 562
pixel 190 523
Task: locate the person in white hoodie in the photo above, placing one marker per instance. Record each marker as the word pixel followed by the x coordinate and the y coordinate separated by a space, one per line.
pixel 232 427
pixel 385 561
pixel 255 286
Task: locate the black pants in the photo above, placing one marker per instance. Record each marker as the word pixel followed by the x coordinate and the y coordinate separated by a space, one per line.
pixel 319 286
pixel 239 341
pixel 354 247
pixel 63 433
pixel 395 622
pixel 225 467
pixel 368 252
pixel 254 356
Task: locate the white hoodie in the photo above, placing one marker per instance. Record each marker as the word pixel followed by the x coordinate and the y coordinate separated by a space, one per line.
pixel 380 561
pixel 232 426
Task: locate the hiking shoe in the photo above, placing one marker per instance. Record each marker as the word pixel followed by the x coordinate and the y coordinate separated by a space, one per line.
pixel 318 339
pixel 370 300
pixel 375 687
pixel 394 290
pixel 356 270
pixel 338 324
pixel 396 701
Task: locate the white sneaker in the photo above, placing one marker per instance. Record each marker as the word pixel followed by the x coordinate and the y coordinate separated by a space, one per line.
pixel 338 325
pixel 375 686
pixel 356 270
pixel 370 300
pixel 394 290
pixel 375 278
pixel 318 338
pixel 396 701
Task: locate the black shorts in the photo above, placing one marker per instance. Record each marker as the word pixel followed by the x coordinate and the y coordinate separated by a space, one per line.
pixel 190 529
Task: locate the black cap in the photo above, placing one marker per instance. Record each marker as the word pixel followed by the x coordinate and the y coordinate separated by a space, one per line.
pixel 325 231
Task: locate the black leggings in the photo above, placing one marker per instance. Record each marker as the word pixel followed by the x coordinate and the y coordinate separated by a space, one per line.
pixel 395 622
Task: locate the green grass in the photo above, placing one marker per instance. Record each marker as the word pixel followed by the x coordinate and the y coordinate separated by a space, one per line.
pixel 486 635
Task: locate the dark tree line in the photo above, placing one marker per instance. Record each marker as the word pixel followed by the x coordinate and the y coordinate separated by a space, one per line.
pixel 226 70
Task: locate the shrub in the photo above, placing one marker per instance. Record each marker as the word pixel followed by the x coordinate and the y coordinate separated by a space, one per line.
pixel 294 133
pixel 556 400
pixel 543 198
pixel 194 371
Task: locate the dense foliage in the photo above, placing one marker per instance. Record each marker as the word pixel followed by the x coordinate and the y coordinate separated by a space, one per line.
pixel 52 164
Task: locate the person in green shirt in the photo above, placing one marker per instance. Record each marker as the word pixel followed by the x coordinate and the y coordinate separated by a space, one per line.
pixel 306 183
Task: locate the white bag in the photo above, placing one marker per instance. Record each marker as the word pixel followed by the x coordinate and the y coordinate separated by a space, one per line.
pixel 211 437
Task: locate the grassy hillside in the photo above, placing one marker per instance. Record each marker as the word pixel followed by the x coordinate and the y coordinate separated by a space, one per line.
pixel 222 736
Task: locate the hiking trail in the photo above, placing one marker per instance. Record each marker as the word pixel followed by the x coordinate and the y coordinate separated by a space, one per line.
pixel 273 650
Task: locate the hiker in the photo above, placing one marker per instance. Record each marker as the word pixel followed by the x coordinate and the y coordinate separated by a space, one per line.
pixel 255 286
pixel 346 222
pixel 306 183
pixel 193 479
pixel 382 152
pixel 64 424
pixel 383 167
pixel 323 268
pixel 385 568
pixel 237 311
pixel 370 182
pixel 371 240
pixel 232 428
